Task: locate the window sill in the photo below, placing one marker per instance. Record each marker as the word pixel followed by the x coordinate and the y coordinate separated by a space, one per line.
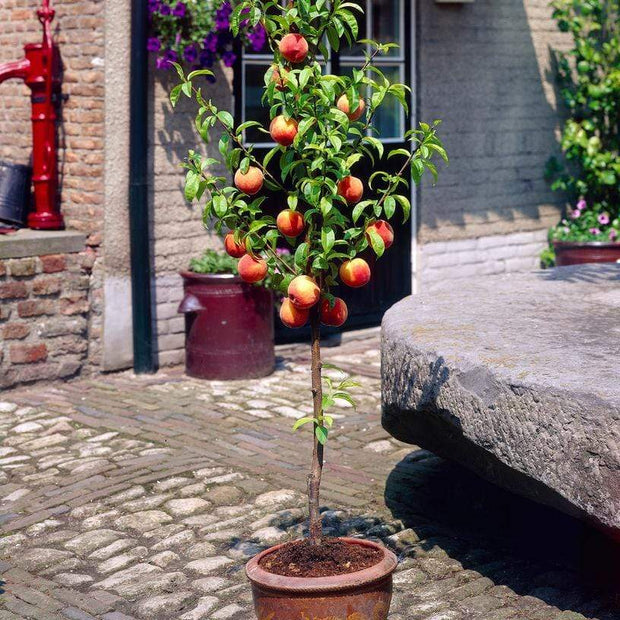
pixel 26 242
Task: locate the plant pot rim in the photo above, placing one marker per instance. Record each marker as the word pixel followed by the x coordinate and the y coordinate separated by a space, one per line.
pixel 586 244
pixel 217 277
pixel 335 583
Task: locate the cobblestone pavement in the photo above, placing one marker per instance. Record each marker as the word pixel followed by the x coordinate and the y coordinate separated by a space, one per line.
pixel 142 497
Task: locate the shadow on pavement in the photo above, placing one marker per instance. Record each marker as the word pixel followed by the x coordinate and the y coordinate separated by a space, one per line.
pixel 532 549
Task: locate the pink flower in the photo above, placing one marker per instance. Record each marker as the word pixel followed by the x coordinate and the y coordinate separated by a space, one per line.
pixel 595 231
pixel 581 205
pixel 566 230
pixel 613 233
pixel 575 214
pixel 603 218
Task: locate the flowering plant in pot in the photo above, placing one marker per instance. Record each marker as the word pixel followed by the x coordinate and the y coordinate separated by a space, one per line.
pixel 589 80
pixel 322 129
pixel 196 32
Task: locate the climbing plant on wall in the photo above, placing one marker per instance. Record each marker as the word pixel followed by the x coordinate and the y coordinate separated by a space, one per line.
pixel 589 81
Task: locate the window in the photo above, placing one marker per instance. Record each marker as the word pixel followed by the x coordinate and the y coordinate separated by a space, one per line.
pixel 383 21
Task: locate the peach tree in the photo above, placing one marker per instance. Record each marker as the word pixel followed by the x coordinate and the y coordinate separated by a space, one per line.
pixel 322 129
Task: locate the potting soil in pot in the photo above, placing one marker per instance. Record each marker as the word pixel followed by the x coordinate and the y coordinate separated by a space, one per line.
pixel 331 557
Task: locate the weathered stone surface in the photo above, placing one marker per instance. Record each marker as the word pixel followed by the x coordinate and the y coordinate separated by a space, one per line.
pixel 515 377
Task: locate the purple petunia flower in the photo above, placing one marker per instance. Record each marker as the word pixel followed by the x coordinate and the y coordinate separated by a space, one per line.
pixel 164 9
pixel 179 9
pixel 190 53
pixel 154 6
pixel 595 231
pixel 206 59
pixel 153 44
pixel 575 214
pixel 581 205
pixel 229 58
pixel 603 218
pixel 210 42
pixel 257 38
pixel 161 63
pixel 613 234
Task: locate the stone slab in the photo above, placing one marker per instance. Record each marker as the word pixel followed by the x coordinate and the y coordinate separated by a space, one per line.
pixel 518 378
pixel 26 242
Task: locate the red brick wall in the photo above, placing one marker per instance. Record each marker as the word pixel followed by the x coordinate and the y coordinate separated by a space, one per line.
pixel 79 31
pixel 44 308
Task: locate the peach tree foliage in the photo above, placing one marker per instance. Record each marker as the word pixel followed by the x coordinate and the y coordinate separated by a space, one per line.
pixel 320 126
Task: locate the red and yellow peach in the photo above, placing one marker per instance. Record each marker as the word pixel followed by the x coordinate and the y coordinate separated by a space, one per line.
pixel 351 189
pixel 355 273
pixel 252 269
pixel 293 47
pixel 251 182
pixel 335 315
pixel 303 292
pixel 282 130
pixel 291 315
pixel 234 249
pixel 290 223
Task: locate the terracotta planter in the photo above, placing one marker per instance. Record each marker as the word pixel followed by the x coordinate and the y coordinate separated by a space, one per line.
pixel 228 327
pixel 363 595
pixel 574 253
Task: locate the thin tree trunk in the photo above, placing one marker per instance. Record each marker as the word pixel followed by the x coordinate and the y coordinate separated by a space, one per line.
pixel 314 478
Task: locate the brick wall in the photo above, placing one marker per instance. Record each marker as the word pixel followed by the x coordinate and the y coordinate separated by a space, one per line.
pixel 465 258
pixel 44 308
pixel 484 69
pixel 79 31
pixel 177 233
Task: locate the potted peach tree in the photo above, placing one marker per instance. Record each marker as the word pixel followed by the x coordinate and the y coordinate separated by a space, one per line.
pixel 322 127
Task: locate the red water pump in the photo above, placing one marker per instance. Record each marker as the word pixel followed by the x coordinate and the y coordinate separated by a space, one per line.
pixel 41 71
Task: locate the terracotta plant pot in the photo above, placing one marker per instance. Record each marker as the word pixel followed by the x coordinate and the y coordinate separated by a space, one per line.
pixel 228 327
pixel 577 253
pixel 363 595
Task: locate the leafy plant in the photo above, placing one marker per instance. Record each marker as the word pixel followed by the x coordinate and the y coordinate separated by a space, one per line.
pixel 213 261
pixel 322 127
pixel 589 79
pixel 196 32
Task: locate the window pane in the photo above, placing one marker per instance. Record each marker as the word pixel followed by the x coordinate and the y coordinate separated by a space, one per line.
pixel 254 84
pixel 386 24
pixel 389 118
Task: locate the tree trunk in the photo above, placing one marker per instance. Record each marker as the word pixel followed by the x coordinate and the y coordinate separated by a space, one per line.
pixel 314 478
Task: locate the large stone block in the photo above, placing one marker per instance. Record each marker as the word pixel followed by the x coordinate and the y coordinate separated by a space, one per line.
pixel 518 378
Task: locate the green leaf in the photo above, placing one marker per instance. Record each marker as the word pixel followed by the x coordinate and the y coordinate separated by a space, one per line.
pixel 328 239
pixel 175 93
pixel 321 434
pixel 389 206
pixel 192 183
pixel 302 421
pixel 225 118
pixel 220 205
pixel 301 255
pixel 376 241
pixel 292 201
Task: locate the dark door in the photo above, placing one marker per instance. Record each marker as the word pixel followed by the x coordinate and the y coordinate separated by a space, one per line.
pixel 385 21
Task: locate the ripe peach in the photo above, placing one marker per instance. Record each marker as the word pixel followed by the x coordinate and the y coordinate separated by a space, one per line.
pixel 384 230
pixel 303 292
pixel 251 182
pixel 234 249
pixel 279 80
pixel 335 316
pixel 351 188
pixel 290 223
pixel 343 105
pixel 283 131
pixel 355 273
pixel 293 47
pixel 291 315
pixel 252 269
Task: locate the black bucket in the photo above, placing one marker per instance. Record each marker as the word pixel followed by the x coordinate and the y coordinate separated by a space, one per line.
pixel 14 193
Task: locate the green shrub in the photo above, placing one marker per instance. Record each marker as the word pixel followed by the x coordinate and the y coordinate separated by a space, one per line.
pixel 589 80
